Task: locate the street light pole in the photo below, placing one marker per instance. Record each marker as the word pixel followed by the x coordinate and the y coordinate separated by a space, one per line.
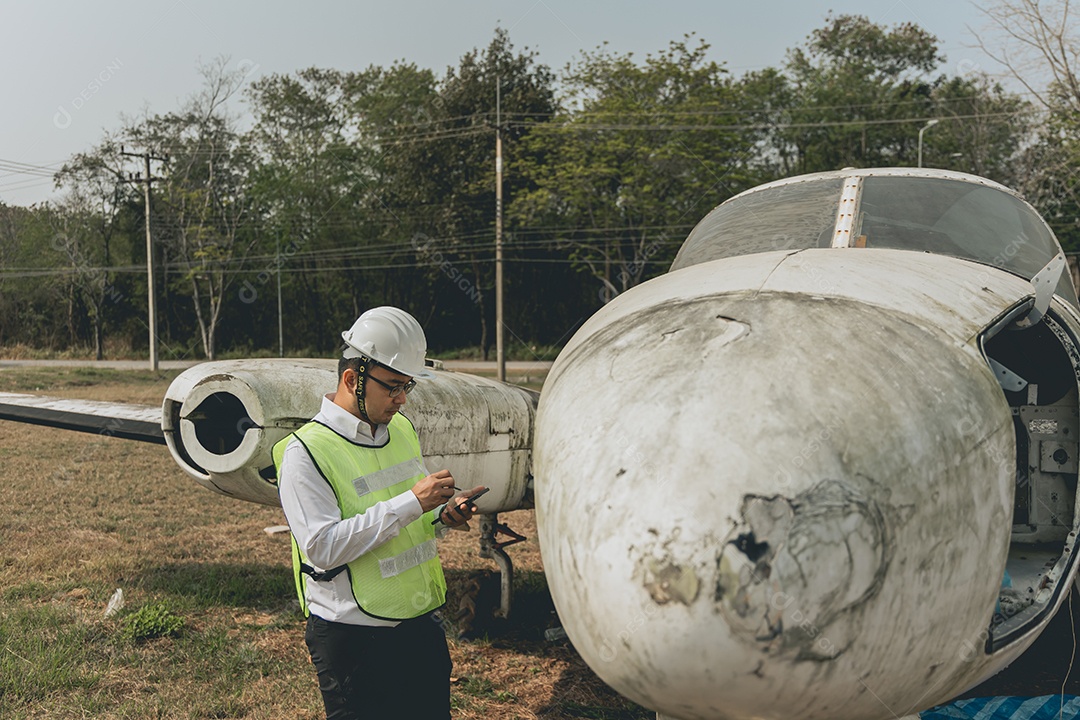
pixel 500 347
pixel 924 128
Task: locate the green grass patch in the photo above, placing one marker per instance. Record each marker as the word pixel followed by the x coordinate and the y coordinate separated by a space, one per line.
pixel 152 621
pixel 227 661
pixel 473 691
pixel 483 688
pixel 49 379
pixel 577 710
pixel 203 586
pixel 32 591
pixel 54 662
pixel 44 650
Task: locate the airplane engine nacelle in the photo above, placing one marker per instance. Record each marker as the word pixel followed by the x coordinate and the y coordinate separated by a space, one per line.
pixel 222 419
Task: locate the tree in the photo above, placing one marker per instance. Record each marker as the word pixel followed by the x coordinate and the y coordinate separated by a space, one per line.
pixel 85 225
pixel 859 91
pixel 1037 42
pixel 983 128
pixel 308 181
pixel 203 194
pixel 765 101
pixel 637 154
pixel 437 173
pixel 33 302
pixel 397 110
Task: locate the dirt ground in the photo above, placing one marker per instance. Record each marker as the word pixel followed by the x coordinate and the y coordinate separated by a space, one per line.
pixel 84 515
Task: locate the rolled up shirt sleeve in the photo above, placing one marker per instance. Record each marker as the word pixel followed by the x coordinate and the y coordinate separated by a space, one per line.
pixel 314 518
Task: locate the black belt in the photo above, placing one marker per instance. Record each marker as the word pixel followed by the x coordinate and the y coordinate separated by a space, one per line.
pixel 320 576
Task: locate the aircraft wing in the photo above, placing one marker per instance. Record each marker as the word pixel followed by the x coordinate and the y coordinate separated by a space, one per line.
pixel 123 420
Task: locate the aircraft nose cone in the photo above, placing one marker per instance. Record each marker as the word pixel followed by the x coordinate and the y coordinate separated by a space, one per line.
pixel 766 505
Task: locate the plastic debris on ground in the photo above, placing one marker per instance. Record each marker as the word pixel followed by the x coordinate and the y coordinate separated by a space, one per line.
pixel 116 603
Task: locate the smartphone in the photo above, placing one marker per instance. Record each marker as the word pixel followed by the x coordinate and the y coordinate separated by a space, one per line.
pixel 471 500
pixel 468 501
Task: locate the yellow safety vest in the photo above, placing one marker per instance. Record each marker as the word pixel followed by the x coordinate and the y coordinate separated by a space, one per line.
pixel 402 578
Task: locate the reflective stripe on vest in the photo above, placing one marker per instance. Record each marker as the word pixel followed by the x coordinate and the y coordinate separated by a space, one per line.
pixel 382 479
pixel 402 578
pixel 393 566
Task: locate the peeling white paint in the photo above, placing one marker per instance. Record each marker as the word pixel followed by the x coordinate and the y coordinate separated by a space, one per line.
pixel 820 509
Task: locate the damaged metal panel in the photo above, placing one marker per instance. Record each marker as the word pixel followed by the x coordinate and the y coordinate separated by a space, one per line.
pixel 816 474
pixel 772 558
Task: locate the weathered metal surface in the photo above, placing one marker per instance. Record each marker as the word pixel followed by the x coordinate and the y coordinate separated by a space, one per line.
pixel 222 419
pixel 772 486
pixel 482 430
pixel 123 420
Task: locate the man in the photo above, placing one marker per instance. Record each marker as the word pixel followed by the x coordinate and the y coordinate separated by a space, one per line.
pixel 362 510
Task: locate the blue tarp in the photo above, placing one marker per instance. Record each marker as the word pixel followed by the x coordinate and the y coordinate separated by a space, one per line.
pixel 1045 707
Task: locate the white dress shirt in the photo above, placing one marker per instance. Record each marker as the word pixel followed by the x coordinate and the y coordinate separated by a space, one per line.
pixel 326 540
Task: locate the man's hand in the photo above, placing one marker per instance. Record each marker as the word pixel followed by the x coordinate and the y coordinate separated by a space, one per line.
pixel 434 490
pixel 457 513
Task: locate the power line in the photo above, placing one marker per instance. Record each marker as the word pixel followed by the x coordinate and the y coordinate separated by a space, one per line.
pixel 329 259
pixel 579 122
pixel 590 127
pixel 20 168
pixel 728 111
pixel 24 184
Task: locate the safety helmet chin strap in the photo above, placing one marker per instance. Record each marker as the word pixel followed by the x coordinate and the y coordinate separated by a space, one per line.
pixel 361 376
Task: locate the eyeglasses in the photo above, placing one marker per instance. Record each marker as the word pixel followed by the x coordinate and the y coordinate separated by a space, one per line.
pixel 395 390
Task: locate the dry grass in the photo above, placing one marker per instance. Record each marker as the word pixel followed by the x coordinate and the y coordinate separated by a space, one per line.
pixel 85 515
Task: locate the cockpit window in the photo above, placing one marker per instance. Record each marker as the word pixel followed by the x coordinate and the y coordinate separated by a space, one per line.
pixel 937 215
pixel 962 219
pixel 795 216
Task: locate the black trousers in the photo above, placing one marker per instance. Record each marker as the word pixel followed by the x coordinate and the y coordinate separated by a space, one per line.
pixel 381 672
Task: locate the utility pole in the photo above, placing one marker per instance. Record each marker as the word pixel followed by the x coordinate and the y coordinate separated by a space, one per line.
pixel 146 180
pixel 280 325
pixel 500 349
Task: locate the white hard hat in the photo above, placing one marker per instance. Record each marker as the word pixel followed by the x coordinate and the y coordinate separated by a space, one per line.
pixel 390 337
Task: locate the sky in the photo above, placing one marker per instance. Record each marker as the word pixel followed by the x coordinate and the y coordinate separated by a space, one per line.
pixel 74 69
